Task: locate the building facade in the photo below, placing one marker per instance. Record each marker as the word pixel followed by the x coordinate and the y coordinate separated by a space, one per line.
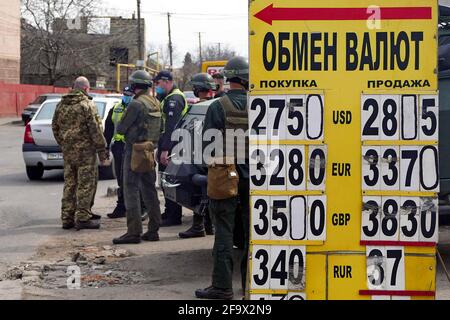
pixel 10 41
pixel 90 51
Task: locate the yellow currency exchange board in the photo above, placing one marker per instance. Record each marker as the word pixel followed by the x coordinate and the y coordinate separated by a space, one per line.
pixel 343 113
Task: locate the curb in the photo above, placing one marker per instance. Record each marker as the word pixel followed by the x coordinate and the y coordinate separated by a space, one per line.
pixel 14 122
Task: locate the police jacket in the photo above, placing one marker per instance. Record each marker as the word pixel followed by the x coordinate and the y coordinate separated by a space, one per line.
pixel 173 107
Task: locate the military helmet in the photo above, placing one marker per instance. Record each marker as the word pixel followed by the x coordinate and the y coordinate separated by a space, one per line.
pixel 236 67
pixel 203 81
pixel 141 79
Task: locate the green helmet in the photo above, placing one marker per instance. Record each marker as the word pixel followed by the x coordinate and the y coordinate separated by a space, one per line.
pixel 141 79
pixel 236 67
pixel 203 81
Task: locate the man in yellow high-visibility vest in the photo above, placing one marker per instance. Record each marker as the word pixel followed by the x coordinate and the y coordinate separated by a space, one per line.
pixel 116 142
pixel 173 106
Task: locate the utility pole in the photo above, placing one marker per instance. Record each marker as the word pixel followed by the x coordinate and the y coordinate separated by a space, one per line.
pixel 200 47
pixel 139 30
pixel 219 48
pixel 170 42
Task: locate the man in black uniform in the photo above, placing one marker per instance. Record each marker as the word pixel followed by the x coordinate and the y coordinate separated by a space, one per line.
pixel 116 143
pixel 229 112
pixel 173 107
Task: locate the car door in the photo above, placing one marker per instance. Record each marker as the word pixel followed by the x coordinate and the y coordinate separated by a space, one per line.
pixel 444 131
pixel 41 125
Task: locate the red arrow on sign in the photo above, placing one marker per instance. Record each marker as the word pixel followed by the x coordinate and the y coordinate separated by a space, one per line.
pixel 270 14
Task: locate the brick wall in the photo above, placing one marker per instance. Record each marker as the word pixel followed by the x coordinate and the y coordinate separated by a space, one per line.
pixel 15 97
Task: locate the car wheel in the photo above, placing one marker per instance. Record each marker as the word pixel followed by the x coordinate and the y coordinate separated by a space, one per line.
pixel 107 173
pixel 35 173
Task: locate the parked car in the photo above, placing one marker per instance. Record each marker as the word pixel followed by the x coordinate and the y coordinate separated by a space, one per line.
pixel 444 141
pixel 41 151
pixel 31 109
pixel 186 183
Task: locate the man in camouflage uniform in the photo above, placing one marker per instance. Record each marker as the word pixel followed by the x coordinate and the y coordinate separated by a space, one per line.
pixel 140 123
pixel 78 130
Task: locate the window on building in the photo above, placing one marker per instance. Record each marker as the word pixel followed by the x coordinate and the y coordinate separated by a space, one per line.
pixel 118 55
pixel 99 26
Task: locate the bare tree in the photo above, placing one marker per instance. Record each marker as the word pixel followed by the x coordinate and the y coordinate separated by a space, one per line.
pixel 214 52
pixel 47 23
pixel 187 71
pixel 164 56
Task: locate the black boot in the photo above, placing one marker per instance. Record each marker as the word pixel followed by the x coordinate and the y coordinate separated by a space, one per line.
pixel 95 216
pixel 90 224
pixel 197 229
pixel 127 239
pixel 150 236
pixel 214 293
pixel 119 212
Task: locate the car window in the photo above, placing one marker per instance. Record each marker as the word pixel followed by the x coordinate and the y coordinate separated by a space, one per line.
pixel 39 100
pixel 47 110
pixel 100 108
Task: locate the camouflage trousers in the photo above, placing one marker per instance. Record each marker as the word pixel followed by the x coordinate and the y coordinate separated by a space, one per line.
pixel 80 186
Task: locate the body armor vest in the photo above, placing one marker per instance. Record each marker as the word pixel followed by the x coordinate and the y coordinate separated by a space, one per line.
pixel 151 119
pixel 236 125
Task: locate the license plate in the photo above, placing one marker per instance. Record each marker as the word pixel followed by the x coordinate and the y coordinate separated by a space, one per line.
pixel 55 156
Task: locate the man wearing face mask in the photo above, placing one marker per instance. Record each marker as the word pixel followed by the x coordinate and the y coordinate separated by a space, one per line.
pixel 117 147
pixel 173 107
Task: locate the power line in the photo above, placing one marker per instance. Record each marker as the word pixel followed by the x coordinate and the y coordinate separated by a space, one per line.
pixel 180 14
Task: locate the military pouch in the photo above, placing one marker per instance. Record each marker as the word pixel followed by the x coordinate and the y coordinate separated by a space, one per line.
pixel 223 181
pixel 142 157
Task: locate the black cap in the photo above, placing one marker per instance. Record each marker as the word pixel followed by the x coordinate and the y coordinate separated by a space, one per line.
pixel 127 91
pixel 163 75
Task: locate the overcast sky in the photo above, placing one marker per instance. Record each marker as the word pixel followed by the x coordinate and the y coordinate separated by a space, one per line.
pixel 218 20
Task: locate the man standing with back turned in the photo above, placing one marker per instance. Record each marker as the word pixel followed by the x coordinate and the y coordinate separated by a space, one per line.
pixel 229 113
pixel 77 129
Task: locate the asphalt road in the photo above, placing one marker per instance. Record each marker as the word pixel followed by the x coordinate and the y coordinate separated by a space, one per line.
pixel 29 211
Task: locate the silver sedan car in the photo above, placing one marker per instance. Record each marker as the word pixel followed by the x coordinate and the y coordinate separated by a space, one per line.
pixel 41 151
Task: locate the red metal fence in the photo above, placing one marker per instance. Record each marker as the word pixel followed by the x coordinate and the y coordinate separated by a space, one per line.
pixel 15 97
